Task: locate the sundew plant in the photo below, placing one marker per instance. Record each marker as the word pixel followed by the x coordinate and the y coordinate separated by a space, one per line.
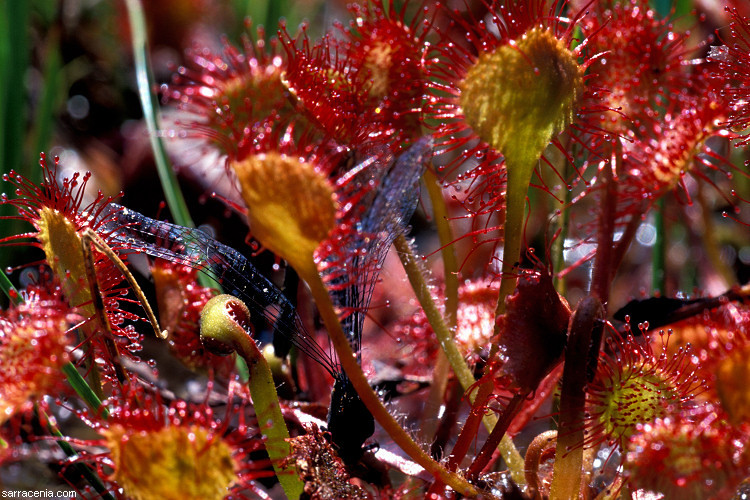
pixel 383 249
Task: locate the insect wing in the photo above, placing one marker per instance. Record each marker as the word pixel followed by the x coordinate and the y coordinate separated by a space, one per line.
pixel 194 248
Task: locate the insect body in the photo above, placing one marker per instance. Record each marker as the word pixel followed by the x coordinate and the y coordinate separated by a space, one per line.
pixel 384 217
pixel 239 277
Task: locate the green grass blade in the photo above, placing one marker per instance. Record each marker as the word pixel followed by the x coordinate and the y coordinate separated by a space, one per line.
pixel 172 193
pixel 79 384
pixel 14 56
pixel 51 95
pixel 83 469
pixel 9 290
pixel 682 8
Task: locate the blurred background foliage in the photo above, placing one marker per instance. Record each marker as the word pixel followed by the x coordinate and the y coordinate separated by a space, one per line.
pixel 68 84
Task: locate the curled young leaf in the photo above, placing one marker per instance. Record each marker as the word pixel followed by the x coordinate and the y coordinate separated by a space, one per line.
pixel 533 330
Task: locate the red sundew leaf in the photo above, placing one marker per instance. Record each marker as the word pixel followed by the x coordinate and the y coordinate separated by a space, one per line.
pixel 731 71
pixel 642 64
pixel 545 389
pixel 33 339
pixel 60 218
pixel 695 454
pixel 155 449
pixel 533 330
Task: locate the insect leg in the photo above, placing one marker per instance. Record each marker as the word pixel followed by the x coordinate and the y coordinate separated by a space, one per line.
pixel 98 305
pixel 96 241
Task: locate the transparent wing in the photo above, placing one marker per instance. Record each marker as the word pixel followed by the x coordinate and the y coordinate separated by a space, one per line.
pixel 385 217
pixel 132 231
